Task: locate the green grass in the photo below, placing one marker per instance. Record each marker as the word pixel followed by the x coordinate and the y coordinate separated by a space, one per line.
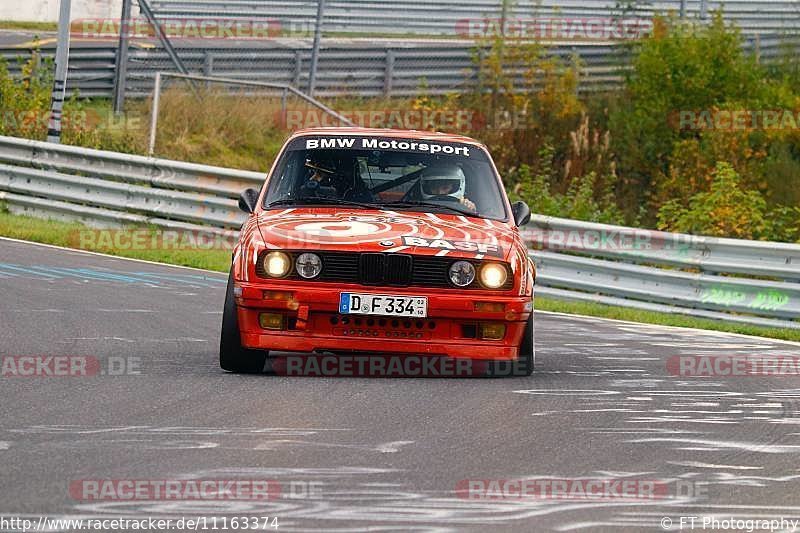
pixel 23 25
pixel 663 319
pixel 68 234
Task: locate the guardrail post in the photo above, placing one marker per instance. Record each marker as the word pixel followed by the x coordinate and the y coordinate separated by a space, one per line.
pixel 389 74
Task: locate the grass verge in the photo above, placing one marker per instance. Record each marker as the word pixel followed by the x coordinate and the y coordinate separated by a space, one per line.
pixel 32 26
pixel 663 319
pixel 68 234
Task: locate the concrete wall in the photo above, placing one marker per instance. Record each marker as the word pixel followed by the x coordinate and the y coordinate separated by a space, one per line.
pixel 47 10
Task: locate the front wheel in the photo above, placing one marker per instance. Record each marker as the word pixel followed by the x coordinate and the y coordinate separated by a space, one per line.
pixel 233 357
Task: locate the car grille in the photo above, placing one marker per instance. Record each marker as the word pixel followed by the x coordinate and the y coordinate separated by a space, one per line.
pixel 399 270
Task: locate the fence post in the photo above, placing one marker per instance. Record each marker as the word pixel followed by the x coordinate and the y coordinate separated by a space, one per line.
pixel 121 63
pixel 388 78
pixel 312 75
pixel 60 81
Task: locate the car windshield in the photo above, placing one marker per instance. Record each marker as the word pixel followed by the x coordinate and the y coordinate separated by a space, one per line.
pixel 397 174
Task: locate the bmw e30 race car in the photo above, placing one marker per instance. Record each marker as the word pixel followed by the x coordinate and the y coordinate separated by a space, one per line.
pixel 375 241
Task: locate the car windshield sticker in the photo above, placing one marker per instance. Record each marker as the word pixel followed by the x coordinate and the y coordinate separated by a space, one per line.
pixel 365 143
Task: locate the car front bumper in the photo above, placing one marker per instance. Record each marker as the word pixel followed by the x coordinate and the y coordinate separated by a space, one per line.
pixel 312 322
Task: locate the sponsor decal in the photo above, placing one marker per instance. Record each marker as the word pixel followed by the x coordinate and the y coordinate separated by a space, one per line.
pixel 464 246
pixel 328 229
pixel 402 145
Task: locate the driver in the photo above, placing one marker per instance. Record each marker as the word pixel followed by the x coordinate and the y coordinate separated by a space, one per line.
pixel 326 180
pixel 320 170
pixel 445 182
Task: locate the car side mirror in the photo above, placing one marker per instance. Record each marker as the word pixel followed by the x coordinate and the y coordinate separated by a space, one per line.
pixel 521 212
pixel 248 200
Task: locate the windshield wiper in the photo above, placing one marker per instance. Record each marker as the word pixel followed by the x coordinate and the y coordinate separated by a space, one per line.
pixel 431 204
pixel 318 201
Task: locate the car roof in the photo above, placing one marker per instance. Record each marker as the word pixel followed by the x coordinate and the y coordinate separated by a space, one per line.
pixel 390 133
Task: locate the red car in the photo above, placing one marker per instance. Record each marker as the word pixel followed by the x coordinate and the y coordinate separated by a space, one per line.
pixel 372 241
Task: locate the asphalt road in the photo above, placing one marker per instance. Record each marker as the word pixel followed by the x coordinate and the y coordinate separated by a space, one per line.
pixel 379 454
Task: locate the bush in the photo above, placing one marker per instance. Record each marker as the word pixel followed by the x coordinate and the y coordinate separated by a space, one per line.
pixel 588 197
pixel 727 210
pixel 25 101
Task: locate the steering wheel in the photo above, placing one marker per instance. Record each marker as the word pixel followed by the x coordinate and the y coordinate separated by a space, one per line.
pixel 444 198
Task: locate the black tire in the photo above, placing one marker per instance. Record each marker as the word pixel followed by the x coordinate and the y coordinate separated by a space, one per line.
pixel 523 365
pixel 527 350
pixel 232 356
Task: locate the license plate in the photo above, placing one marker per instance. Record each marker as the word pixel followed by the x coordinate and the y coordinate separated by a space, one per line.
pixel 383 304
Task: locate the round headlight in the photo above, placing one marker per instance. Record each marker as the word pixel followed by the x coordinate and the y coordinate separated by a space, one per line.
pixel 277 264
pixel 493 275
pixel 462 273
pixel 308 265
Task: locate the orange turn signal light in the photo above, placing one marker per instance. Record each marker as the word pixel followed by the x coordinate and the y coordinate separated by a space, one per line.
pixel 490 307
pixel 278 295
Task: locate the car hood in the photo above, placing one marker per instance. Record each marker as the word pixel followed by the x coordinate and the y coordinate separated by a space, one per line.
pixel 362 230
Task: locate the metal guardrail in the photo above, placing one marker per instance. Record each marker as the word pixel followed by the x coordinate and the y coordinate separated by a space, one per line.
pixel 364 68
pixel 752 282
pixel 394 17
pixel 111 189
pixel 667 272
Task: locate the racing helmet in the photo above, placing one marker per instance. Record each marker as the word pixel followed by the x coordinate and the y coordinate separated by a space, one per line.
pixel 442 180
